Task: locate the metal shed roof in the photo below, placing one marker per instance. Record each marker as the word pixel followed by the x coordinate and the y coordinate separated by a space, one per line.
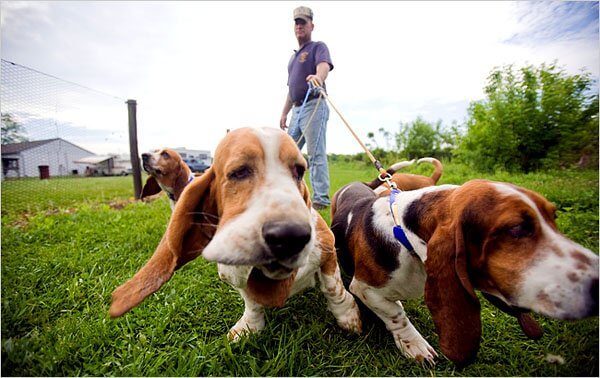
pixel 15 148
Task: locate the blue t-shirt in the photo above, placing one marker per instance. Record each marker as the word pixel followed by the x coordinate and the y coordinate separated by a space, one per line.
pixel 303 63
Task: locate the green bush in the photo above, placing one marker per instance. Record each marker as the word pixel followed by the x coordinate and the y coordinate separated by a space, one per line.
pixel 531 119
pixel 420 138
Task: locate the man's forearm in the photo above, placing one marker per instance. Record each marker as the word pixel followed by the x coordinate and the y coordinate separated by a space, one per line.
pixel 323 71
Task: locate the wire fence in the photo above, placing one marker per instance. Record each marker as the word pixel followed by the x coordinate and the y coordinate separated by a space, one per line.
pixel 55 135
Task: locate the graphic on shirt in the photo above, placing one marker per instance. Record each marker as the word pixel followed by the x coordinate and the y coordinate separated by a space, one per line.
pixel 303 57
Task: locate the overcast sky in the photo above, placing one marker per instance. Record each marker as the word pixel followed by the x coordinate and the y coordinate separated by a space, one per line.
pixel 197 69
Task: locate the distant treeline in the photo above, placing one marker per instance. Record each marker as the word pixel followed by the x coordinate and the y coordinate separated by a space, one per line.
pixel 532 118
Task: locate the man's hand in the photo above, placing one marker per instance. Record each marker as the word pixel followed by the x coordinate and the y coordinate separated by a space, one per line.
pixel 287 106
pixel 309 78
pixel 283 122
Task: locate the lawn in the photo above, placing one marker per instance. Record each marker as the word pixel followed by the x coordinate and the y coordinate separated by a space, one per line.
pixel 64 252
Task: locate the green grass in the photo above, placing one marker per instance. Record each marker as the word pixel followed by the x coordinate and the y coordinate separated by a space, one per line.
pixel 62 258
pixel 34 195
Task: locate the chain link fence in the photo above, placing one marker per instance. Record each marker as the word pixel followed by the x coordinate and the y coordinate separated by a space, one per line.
pixel 59 136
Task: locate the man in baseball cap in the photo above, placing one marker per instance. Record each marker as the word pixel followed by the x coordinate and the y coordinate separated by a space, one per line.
pixel 310 62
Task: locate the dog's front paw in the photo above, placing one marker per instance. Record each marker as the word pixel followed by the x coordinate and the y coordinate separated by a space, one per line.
pixel 416 347
pixel 243 328
pixel 350 320
pixel 234 335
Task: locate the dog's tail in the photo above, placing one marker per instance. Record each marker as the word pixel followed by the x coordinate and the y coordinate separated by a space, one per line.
pixel 391 170
pixel 438 168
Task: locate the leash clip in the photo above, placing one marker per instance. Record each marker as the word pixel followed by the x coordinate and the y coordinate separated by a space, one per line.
pixel 388 180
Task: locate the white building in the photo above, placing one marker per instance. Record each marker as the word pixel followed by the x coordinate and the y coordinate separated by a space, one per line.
pixel 106 165
pixel 195 156
pixel 50 157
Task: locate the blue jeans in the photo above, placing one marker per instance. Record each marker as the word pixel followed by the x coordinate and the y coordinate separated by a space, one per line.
pixel 315 140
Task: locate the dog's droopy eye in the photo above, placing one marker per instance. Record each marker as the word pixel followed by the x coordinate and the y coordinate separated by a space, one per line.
pixel 298 172
pixel 241 173
pixel 165 155
pixel 520 231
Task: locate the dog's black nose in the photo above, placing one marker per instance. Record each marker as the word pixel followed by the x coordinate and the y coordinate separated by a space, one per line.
pixel 286 239
pixel 145 157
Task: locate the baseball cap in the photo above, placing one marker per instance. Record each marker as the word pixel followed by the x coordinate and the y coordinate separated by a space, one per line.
pixel 304 13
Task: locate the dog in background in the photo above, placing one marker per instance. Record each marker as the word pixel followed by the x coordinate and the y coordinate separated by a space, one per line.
pixel 405 181
pixel 251 213
pixel 409 181
pixel 167 172
pixel 497 238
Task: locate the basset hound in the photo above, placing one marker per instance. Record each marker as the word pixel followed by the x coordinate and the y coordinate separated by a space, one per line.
pixel 412 182
pixel 494 237
pixel 251 213
pixel 167 172
pixel 409 181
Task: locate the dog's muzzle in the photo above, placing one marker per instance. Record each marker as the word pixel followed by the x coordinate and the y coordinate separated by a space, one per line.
pixel 146 164
pixel 145 158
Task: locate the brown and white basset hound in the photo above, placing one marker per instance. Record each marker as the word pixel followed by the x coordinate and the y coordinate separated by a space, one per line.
pixel 405 182
pixel 494 237
pixel 251 213
pixel 167 172
pixel 409 181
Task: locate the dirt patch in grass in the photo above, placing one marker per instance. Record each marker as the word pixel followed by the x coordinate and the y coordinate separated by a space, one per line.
pixel 120 204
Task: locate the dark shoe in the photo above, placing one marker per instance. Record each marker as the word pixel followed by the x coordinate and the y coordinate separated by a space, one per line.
pixel 319 206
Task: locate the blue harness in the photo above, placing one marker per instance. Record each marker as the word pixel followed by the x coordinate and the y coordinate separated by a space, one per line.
pixel 399 233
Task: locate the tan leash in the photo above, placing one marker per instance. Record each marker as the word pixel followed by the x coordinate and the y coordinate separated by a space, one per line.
pixel 383 175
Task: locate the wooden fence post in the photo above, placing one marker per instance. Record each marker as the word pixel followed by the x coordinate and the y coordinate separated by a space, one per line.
pixel 133 149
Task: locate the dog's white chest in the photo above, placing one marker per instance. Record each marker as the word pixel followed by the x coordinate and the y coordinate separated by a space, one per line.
pixel 236 276
pixel 408 281
pixel 305 277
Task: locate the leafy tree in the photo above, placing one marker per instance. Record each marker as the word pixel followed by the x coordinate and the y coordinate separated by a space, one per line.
pixel 371 136
pixel 420 138
pixel 587 137
pixel 385 135
pixel 12 132
pixel 532 118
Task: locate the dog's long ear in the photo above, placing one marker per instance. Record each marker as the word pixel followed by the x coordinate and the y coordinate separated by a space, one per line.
pixel 305 193
pixel 190 229
pixel 450 297
pixel 151 187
